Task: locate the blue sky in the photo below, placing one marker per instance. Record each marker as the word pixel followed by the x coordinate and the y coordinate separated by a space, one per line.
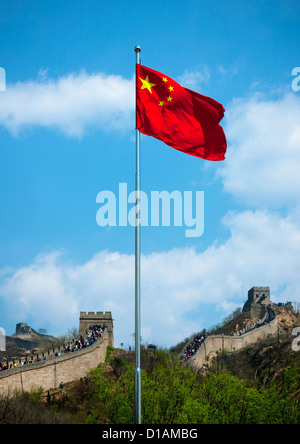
pixel 67 133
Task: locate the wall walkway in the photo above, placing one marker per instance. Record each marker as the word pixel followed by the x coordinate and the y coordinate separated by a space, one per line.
pixel 217 343
pixel 51 372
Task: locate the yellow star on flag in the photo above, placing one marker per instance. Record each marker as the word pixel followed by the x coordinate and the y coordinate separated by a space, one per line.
pixel 171 88
pixel 165 79
pixel 146 84
pixel 169 99
pixel 161 103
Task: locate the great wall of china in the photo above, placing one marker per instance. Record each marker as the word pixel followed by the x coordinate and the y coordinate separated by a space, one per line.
pixel 218 343
pixel 50 373
pixel 50 369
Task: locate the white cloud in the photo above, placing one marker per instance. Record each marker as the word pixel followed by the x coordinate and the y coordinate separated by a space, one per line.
pixel 194 79
pixel 263 159
pixel 179 287
pixel 232 70
pixel 70 104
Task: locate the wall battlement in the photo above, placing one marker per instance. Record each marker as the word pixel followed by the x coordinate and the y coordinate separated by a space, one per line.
pixel 98 314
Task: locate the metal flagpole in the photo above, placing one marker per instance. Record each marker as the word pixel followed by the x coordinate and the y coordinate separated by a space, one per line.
pixel 137 372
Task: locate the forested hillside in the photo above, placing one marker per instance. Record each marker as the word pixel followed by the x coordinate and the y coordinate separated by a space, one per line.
pixel 260 385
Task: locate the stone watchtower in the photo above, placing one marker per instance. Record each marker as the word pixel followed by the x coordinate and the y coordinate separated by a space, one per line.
pixel 258 299
pixel 99 318
pixel 22 328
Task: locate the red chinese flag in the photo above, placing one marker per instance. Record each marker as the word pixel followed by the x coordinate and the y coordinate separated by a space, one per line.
pixel 181 118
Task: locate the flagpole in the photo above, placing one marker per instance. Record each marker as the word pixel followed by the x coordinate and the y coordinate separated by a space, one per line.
pixel 137 372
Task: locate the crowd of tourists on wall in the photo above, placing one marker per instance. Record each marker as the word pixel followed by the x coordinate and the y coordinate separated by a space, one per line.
pixel 193 346
pixel 198 339
pixel 270 315
pixel 93 333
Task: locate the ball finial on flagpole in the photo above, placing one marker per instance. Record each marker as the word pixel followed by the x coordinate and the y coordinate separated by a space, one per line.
pixel 137 48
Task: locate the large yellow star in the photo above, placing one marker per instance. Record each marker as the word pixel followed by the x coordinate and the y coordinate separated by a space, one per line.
pixel 146 84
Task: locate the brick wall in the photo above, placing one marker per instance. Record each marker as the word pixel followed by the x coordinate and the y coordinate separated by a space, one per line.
pixel 51 372
pixel 217 343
